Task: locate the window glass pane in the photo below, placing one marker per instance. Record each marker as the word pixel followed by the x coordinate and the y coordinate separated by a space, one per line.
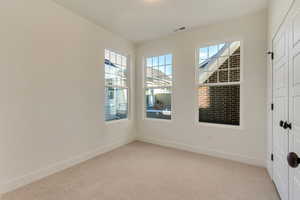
pixel 158 103
pixel 161 60
pixel 213 50
pixel 149 62
pixel 119 59
pixel 234 75
pixel 112 75
pixel 203 54
pixel 221 46
pixel 162 69
pixel 124 61
pixel 155 61
pixel 204 64
pixel 219 104
pixel 113 57
pixel 223 63
pixel 148 75
pixel 203 77
pixel 109 76
pixel 235 47
pixel 225 50
pixel 124 82
pixel 167 77
pixel 156 72
pixel 169 59
pixel 223 76
pixel 213 78
pixel 235 61
pixel 116 106
pixel 107 54
pixel 169 70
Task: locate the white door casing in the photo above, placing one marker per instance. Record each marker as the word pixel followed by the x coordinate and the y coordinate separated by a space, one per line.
pixel 280 114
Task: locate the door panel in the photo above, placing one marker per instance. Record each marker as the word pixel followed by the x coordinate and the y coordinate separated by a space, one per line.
pixel 294 101
pixel 296 29
pixel 296 74
pixel 280 98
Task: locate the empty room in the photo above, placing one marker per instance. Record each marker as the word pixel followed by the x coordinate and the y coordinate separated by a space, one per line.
pixel 150 99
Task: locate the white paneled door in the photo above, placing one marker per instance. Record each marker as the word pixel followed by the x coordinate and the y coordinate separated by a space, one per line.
pixel 286 115
pixel 280 114
pixel 294 104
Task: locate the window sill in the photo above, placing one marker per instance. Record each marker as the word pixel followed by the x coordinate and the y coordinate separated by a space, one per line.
pixel 158 120
pixel 212 125
pixel 117 121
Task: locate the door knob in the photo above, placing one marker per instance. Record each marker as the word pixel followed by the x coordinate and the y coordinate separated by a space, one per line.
pixel 287 125
pixel 293 160
pixel 281 123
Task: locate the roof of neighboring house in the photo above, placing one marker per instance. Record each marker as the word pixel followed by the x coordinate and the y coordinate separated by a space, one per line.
pixel 108 62
pixel 157 77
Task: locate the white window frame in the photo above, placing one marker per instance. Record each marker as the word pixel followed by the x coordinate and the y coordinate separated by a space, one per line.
pixel 144 114
pixel 128 84
pixel 241 83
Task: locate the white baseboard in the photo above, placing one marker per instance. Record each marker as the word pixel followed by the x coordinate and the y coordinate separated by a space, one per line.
pixel 214 153
pixel 270 168
pixel 57 167
pixel 42 173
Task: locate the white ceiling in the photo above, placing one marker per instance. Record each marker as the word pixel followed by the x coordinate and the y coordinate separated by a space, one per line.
pixel 139 20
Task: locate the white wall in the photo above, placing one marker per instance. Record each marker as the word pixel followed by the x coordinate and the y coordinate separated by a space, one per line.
pixel 246 144
pixel 278 9
pixel 52 91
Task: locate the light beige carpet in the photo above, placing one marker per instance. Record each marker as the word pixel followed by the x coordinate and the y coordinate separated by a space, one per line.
pixel 141 171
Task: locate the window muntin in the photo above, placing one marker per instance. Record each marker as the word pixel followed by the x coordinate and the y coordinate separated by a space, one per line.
pixel 218 73
pixel 116 86
pixel 158 86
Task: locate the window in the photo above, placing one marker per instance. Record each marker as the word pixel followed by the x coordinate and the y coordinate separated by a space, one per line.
pixel 218 73
pixel 158 87
pixel 116 86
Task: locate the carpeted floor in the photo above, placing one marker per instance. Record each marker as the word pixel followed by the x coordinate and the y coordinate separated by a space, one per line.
pixel 141 171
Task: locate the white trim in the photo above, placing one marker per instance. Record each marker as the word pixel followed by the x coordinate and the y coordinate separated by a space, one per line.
pixel 116 121
pixel 210 152
pixel 60 166
pixel 219 84
pixel 207 124
pixel 241 126
pixel 115 86
pixel 31 177
pixel 158 120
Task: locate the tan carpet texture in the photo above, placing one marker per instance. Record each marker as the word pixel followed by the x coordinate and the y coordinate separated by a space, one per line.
pixel 141 171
